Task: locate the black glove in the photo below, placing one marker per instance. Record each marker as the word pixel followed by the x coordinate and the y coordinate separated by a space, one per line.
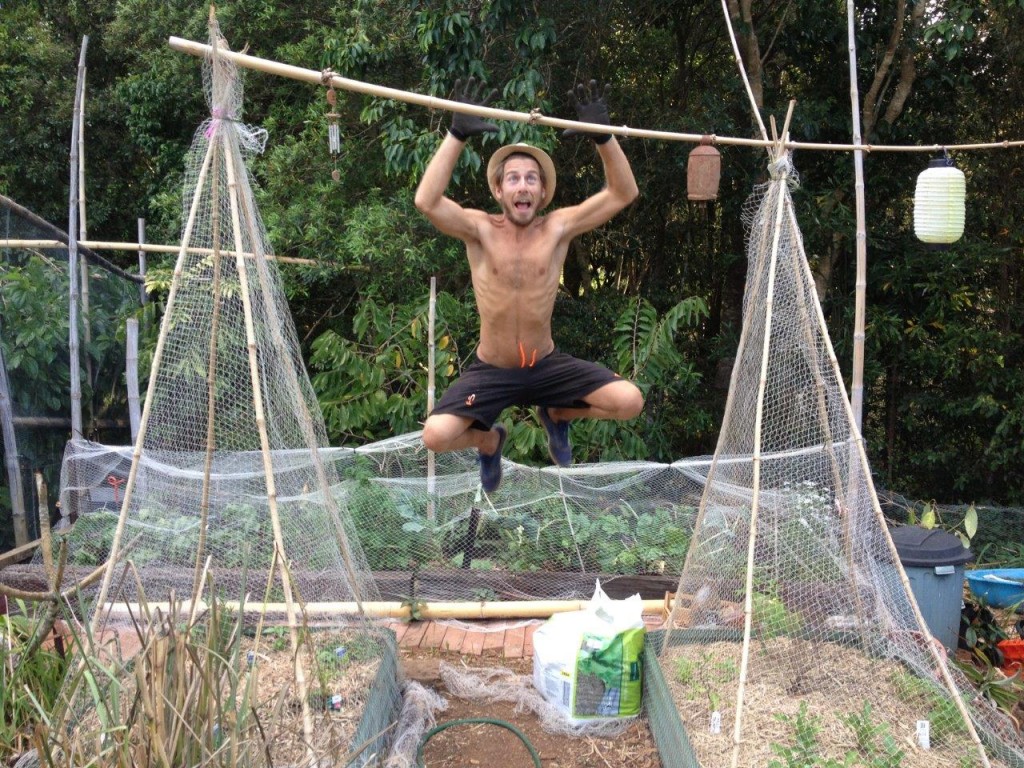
pixel 591 107
pixel 464 126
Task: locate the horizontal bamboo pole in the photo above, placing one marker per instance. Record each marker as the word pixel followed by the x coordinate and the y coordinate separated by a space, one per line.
pixel 535 117
pixel 147 247
pixel 513 609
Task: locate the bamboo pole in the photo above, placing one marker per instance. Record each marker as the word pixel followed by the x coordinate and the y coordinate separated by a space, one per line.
pixel 748 602
pixel 512 609
pixel 131 364
pixel 211 374
pixel 11 462
pixel 83 263
pixel 60 240
pixel 431 375
pixel 129 487
pixel 73 272
pixel 82 228
pixel 535 117
pixel 142 247
pixel 143 296
pixel 860 300
pixel 261 425
pixel 45 540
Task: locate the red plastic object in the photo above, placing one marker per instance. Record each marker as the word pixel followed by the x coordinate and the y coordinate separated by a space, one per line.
pixel 1013 655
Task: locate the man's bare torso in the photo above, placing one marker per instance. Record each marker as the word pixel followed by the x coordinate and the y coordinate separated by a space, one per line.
pixel 516 271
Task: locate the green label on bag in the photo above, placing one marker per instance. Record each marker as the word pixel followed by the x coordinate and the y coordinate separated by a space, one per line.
pixel 608 675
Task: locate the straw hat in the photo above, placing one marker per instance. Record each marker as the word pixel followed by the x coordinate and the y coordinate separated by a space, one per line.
pixel 542 158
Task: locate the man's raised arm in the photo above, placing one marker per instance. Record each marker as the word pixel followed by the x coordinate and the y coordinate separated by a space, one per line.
pixel 443 212
pixel 620 189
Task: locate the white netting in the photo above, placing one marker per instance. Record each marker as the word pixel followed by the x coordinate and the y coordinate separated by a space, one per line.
pixel 799 604
pixel 230 559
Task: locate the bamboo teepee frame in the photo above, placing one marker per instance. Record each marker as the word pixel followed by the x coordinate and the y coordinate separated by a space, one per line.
pixel 222 156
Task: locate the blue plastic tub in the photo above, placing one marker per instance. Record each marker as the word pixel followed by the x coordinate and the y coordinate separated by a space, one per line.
pixel 1000 587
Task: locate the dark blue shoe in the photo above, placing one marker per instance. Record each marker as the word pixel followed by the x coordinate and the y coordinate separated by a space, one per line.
pixel 490 464
pixel 559 446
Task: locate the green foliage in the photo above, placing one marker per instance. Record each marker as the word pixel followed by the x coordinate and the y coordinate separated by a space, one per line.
pixel 551 536
pixel 980 633
pixel 771 616
pixel 29 683
pixel 942 713
pixel 944 415
pixel 374 385
pixel 874 742
pixel 930 519
pixel 805 750
pixel 1005 692
pixel 395 533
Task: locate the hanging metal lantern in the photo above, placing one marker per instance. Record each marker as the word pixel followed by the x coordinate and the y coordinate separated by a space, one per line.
pixel 939 202
pixel 703 171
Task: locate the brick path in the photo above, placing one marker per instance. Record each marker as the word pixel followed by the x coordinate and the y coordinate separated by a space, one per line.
pixel 479 638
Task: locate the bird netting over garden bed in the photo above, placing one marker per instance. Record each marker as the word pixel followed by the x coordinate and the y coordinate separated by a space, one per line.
pixel 228 408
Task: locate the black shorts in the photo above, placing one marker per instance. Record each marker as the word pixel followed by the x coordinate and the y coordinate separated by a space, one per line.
pixel 559 380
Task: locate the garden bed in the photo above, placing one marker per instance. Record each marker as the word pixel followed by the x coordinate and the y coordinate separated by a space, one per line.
pixel 680 686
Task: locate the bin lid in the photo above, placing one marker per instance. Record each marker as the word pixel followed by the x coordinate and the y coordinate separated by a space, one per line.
pixel 927 547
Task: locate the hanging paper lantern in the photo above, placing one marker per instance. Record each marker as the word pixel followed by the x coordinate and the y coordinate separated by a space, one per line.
pixel 939 202
pixel 703 171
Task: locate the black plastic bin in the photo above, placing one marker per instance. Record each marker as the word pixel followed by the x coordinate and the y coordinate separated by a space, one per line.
pixel 934 561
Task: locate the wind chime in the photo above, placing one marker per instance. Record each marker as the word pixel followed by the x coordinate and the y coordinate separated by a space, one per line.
pixel 333 132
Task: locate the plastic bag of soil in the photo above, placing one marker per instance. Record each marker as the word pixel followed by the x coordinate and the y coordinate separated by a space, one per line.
pixel 589 663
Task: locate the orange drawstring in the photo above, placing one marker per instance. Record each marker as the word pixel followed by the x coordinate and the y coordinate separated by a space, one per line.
pixel 522 356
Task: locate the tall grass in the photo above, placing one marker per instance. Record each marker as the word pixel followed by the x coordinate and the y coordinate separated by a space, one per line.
pixel 30 679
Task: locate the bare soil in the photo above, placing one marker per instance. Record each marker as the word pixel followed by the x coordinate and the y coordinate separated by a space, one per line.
pixel 471 746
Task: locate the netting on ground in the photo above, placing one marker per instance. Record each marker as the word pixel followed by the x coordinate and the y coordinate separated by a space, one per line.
pixel 802 621
pixel 228 559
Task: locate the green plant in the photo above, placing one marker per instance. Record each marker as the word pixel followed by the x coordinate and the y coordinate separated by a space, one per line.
pixel 183 697
pixel 929 517
pixel 925 696
pixel 805 751
pixel 874 742
pixel 30 680
pixel 980 632
pixel 771 616
pixel 278 637
pixel 685 669
pixel 1005 692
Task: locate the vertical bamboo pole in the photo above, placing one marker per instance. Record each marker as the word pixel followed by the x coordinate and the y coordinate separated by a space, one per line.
pixel 748 604
pixel 219 158
pixel 265 448
pixel 431 380
pixel 131 364
pixel 11 462
pixel 143 297
pixel 84 264
pixel 73 272
pixel 857 383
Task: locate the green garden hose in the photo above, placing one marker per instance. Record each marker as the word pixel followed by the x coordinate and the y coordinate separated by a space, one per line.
pixel 472 720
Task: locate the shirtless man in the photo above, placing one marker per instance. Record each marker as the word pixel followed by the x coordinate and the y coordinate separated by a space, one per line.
pixel 515 260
